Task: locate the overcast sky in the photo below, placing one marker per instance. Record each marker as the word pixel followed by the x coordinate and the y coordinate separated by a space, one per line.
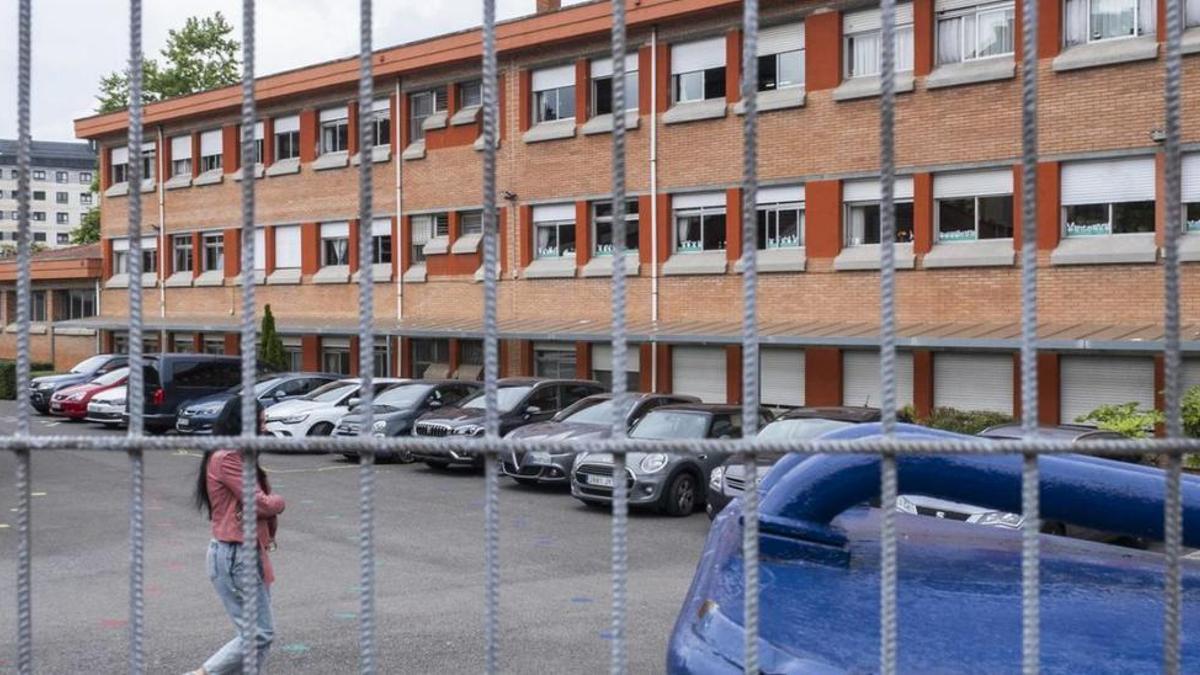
pixel 75 42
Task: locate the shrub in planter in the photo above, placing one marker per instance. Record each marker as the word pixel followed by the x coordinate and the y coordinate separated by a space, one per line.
pixel 968 422
pixel 8 380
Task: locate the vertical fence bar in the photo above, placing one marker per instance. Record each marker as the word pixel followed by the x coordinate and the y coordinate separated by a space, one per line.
pixel 1173 506
pixel 750 361
pixel 491 516
pixel 366 346
pixel 24 527
pixel 620 503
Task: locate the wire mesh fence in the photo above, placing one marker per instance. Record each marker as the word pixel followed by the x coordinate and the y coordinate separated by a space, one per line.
pixel 1173 446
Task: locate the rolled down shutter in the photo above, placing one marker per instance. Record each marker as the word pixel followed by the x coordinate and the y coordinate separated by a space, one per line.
pixel 548 213
pixel 973 183
pixel 381 227
pixel 781 376
pixel 1191 373
pixel 181 147
pixel 973 382
pixel 286 125
pixel 694 200
pixel 700 372
pixel 602 357
pixel 1191 177
pixel 781 39
pixel 120 155
pixel 871 191
pixel 1114 180
pixel 872 19
pixel 780 194
pixel 334 114
pixel 689 57
pixel 335 230
pixel 604 67
pixel 1089 382
pixel 861 382
pixel 553 78
pixel 287 246
pixel 260 249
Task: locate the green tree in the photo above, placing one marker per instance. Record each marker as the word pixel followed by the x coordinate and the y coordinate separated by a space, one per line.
pixel 88 231
pixel 201 56
pixel 270 346
pixel 1128 419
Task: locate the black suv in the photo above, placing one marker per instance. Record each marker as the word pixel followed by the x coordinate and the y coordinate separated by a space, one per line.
pixel 174 379
pixel 521 401
pixel 40 388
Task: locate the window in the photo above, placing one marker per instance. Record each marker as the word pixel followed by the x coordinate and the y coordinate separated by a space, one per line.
pixel 335 130
pixel 62 218
pixel 210 151
pixel 213 344
pixel 182 259
pixel 602 85
pixel 862 200
pixel 428 352
pixel 62 198
pixel 1191 185
pixel 973 205
pixel 15 174
pixel 780 217
pixel 75 303
pixel 295 354
pixel 37 306
pixel 39 174
pixel 699 222
pixel 287 247
pixel 470 222
pixel 381 122
pixel 1108 197
pixel 85 177
pixel 39 195
pixel 698 70
pixel 554 230
pixel 422 104
pixel 862 32
pixel 602 227
pixel 553 94
pixel 422 231
pixel 1087 21
pixel 1192 13
pixel 61 176
pixel 335 244
pixel 781 57
pixel 183 344
pixel 149 160
pixel 85 199
pixel 470 352
pixel 975 32
pixel 382 361
pixel 62 238
pixel 38 216
pixel 39 236
pixel 470 94
pixel 259 133
pixel 120 253
pixel 554 360
pixel 181 155
pixel 602 366
pixel 381 242
pixel 214 252
pixel 335 356
pixel 287 137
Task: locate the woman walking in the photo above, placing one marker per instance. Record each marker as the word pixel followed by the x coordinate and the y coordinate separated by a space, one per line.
pixel 219 492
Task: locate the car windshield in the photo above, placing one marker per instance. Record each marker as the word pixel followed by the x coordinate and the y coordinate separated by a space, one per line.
pixel 591 411
pixel 89 365
pixel 332 392
pixel 261 387
pixel 507 398
pixel 671 424
pixel 111 377
pixel 798 429
pixel 402 397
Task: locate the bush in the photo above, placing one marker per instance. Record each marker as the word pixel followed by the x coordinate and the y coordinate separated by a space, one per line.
pixel 1127 419
pixel 8 377
pixel 968 422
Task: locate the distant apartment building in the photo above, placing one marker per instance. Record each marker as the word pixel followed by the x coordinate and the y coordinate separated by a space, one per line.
pixel 61 185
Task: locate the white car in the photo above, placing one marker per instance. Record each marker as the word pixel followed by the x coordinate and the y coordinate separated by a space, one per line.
pixel 318 413
pixel 107 406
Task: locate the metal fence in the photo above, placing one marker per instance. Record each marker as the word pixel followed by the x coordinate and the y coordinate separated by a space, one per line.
pixel 135 444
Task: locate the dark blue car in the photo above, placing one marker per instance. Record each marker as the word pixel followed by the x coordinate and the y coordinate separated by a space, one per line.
pixel 959 588
pixel 197 415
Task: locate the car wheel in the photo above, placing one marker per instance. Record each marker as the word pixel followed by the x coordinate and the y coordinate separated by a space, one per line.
pixel 322 429
pixel 680 497
pixel 404 457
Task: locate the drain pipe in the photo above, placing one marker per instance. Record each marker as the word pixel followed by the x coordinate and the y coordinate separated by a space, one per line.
pixel 162 243
pixel 654 205
pixel 398 160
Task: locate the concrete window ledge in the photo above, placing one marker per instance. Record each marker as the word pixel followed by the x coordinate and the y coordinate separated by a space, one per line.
pixel 776 99
pixel 331 160
pixel 603 124
pixel 212 177
pixel 694 111
pixel 35 328
pixel 971 72
pixel 550 268
pixel 866 257
pixel 1189 247
pixel 479 143
pixel 468 115
pixel 1107 52
pixel 867 87
pixel 148 185
pixel 437 120
pixel 332 274
pixel 284 167
pixel 707 262
pixel 379 155
pixel 284 277
pixel 210 278
pixel 381 273
pixel 415 274
pixel 75 331
pixel 437 246
pixel 177 182
pixel 778 260
pixel 117 190
pixel 1106 249
pixel 985 253
pixel 1191 40
pixel 260 277
pixel 468 243
pixel 602 265
pixel 414 150
pixel 479 274
pixel 179 280
pixel 550 131
pixel 257 172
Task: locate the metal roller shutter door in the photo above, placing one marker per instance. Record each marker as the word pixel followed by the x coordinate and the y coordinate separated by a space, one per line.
pixel 781 376
pixel 1091 381
pixel 1191 374
pixel 973 382
pixel 860 378
pixel 699 371
pixel 602 357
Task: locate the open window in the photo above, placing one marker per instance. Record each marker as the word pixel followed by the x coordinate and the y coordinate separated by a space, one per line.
pixel 552 95
pixel 862 42
pixel 697 81
pixel 1108 212
pixel 973 219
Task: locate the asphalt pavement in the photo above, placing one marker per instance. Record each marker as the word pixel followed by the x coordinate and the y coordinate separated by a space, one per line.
pixel 555 557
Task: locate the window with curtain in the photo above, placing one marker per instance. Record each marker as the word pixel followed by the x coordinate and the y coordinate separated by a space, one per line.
pixel 1087 21
pixel 335 130
pixel 335 244
pixel 554 238
pixel 863 223
pixel 380 122
pixel 863 41
pixel 214 252
pixel 700 229
pixel 978 32
pixel 421 233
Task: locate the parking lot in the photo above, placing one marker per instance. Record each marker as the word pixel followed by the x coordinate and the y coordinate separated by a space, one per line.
pixel 429 559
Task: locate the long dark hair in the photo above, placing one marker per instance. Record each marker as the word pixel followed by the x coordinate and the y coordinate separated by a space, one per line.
pixel 228 423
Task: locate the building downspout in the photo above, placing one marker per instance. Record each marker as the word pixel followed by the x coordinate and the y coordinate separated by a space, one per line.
pixel 99 341
pixel 654 205
pixel 399 161
pixel 162 244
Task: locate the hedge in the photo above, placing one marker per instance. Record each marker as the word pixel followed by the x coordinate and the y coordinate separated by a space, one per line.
pixel 8 377
pixel 968 422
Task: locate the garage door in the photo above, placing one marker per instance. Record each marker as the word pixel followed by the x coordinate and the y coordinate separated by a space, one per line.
pixel 1092 381
pixel 860 378
pixel 973 382
pixel 1191 374
pixel 781 376
pixel 699 371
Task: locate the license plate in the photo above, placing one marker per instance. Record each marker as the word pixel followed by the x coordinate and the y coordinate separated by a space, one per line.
pixel 184 422
pixel 604 481
pixel 56 406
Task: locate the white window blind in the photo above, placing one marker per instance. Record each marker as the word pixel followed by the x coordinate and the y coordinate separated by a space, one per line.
pixel 260 249
pixel 287 124
pixel 258 131
pixel 335 230
pixel 381 105
pixel 604 67
pixel 695 200
pixel 870 190
pixel 1117 180
pixel 1191 177
pixel 699 372
pixel 120 155
pixel 952 5
pixel 973 183
pixel 181 147
pixel 860 378
pixel 334 114
pixel 148 244
pixel 120 244
pixel 779 194
pixel 335 343
pixel 781 376
pixel 287 246
pixel 781 39
pixel 553 78
pixel 381 227
pixel 872 19
pixel 602 358
pixel 551 212
pixel 210 143
pixel 700 55
pixel 973 382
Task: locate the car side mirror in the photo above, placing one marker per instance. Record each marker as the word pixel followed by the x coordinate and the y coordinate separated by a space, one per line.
pixel 724 436
pixel 279 394
pixel 532 410
pixel 353 403
pixel 434 405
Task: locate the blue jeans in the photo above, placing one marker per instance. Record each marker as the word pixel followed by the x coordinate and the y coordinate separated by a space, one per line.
pixel 225 568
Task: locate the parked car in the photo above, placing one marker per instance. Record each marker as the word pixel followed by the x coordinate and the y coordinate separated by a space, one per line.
pixel 673 483
pixel 197 415
pixel 172 379
pixel 1061 432
pixel 72 402
pixel 108 407
pixel 588 418
pixel 797 424
pixel 41 388
pixel 520 400
pixel 397 408
pixel 318 412
pixel 959 589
